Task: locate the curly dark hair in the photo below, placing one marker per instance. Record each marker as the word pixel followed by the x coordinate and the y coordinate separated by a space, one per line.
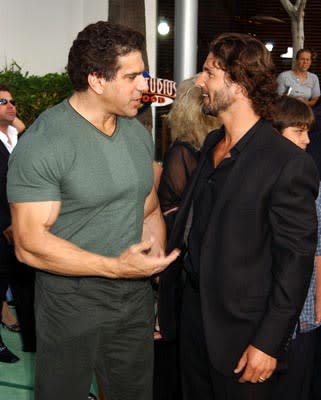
pixel 248 63
pixel 96 50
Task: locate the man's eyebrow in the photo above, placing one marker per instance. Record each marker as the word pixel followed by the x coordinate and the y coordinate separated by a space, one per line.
pixel 133 73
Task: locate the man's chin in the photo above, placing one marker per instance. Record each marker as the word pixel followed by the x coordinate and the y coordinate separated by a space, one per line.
pixel 208 110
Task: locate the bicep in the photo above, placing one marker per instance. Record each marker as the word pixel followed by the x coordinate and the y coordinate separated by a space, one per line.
pixel 151 203
pixel 157 170
pixel 31 220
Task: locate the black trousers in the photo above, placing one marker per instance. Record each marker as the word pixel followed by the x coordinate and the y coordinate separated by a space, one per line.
pixel 295 382
pixel 20 278
pixel 316 381
pixel 199 379
pixel 166 371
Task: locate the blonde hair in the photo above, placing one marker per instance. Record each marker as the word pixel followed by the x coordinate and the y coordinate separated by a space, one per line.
pixel 186 118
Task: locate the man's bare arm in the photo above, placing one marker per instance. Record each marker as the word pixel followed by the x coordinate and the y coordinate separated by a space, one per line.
pixel 154 225
pixel 37 246
pixel 19 125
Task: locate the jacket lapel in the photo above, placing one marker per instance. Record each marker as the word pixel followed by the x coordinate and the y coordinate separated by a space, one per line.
pixel 240 171
pixel 3 150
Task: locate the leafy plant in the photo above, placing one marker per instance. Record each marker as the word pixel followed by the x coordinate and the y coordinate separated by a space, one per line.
pixel 34 94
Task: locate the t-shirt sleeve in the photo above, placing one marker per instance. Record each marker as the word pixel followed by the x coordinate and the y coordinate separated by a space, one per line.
pixel 316 87
pixel 33 173
pixel 281 83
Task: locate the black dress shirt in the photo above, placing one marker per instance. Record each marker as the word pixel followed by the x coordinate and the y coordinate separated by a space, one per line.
pixel 211 181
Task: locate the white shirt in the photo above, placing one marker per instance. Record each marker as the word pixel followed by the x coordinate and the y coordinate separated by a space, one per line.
pixel 12 133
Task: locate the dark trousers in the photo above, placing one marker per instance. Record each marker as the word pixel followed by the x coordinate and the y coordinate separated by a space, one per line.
pixel 316 381
pixel 199 379
pixel 87 325
pixel 295 382
pixel 23 291
pixel 167 385
pixel 20 278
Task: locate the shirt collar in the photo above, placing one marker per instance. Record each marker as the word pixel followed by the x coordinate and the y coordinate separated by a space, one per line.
pixel 12 133
pixel 241 144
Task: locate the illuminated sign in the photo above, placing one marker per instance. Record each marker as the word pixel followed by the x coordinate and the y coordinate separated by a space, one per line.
pixel 161 92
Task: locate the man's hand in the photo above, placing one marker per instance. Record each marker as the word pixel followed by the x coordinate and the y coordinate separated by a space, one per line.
pixel 135 262
pixel 257 365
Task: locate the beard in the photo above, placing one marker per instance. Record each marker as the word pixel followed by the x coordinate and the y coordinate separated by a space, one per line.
pixel 221 102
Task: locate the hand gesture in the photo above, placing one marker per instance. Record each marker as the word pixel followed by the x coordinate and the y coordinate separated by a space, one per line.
pixel 135 262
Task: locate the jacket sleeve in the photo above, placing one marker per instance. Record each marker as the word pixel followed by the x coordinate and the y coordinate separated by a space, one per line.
pixel 293 221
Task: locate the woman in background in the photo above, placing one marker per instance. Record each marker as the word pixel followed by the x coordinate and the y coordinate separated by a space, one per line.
pixel 189 126
pixel 299 82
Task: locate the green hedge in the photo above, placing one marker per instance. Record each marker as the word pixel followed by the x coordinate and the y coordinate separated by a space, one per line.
pixel 34 94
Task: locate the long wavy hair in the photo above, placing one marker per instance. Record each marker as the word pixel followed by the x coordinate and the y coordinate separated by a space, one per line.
pixel 248 63
pixel 186 118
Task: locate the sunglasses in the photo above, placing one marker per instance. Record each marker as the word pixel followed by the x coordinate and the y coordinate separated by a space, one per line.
pixel 3 102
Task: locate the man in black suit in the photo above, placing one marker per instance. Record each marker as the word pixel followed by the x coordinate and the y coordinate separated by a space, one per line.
pixel 8 139
pixel 249 226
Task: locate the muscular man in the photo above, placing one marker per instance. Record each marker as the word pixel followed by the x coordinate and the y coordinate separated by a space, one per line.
pixel 248 221
pixel 81 185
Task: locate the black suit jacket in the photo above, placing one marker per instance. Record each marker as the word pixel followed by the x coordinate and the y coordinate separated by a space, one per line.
pixel 6 251
pixel 258 250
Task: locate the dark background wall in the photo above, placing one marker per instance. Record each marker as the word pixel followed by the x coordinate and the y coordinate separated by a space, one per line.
pixel 256 17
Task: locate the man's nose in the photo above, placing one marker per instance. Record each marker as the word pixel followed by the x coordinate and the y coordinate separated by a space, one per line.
pixel 200 80
pixel 142 84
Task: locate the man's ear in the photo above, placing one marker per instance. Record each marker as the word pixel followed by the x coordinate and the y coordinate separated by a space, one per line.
pixel 96 83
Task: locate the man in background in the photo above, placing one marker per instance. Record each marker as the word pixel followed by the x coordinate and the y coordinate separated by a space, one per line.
pixel 8 140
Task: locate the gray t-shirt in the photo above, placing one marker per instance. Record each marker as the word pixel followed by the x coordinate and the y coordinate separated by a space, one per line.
pixel 101 181
pixel 307 89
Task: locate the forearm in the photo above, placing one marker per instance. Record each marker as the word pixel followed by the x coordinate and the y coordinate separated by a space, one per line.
pixel 50 253
pixel 313 101
pixel 154 226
